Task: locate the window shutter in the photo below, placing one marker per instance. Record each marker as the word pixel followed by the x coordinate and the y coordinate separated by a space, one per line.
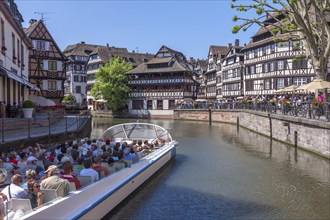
pixel 286 82
pixel 45 84
pixel 59 85
pixel 275 65
pixel 47 45
pixel 34 43
pixel 45 64
pixel 274 83
pixel 59 65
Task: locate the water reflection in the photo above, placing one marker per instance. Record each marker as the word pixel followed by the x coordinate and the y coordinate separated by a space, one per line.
pixel 222 172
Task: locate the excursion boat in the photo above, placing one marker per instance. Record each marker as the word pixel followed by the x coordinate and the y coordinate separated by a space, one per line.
pixel 95 200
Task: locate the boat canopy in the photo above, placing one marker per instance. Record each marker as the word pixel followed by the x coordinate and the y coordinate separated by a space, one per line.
pixel 135 131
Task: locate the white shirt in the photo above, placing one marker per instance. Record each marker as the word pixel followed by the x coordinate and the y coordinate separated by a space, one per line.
pixel 16 192
pixel 90 172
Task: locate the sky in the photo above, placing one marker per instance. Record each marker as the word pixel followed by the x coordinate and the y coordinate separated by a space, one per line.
pixel 143 26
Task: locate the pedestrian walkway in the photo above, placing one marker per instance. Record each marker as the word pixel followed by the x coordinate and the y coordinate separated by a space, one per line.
pixel 13 129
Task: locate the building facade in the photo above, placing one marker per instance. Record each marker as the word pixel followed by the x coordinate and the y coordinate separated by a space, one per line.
pixel 213 78
pixel 76 71
pixel 274 64
pixel 159 84
pixel 14 79
pixel 47 63
pixel 99 56
pixel 232 72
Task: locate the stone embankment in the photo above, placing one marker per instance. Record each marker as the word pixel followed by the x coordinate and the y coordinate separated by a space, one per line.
pixel 308 134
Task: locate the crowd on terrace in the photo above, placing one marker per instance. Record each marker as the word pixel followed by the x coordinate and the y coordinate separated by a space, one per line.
pixel 280 101
pixel 25 173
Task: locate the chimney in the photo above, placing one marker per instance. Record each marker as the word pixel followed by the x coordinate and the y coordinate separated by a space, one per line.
pixel 236 42
pixel 32 21
pixel 82 42
pixel 229 44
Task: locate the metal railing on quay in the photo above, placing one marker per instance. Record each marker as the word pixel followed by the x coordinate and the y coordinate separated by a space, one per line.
pixel 320 111
pixel 20 128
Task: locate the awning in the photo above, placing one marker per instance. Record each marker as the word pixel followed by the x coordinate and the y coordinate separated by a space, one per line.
pixel 18 79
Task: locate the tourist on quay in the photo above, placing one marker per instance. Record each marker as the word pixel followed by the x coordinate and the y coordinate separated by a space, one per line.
pixel 54 181
pixel 3 109
pixel 14 190
pixel 320 97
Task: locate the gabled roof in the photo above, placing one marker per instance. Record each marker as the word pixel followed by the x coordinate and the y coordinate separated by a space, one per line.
pixel 221 50
pixel 178 55
pixel 107 53
pixel 79 49
pixel 177 63
pixel 264 42
pixel 33 31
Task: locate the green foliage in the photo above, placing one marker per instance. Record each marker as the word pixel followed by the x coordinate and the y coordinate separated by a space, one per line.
pixel 111 83
pixel 296 19
pixel 69 99
pixel 27 104
pixel 236 29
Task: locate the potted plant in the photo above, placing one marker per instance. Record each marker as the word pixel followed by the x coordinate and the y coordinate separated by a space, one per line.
pixel 27 108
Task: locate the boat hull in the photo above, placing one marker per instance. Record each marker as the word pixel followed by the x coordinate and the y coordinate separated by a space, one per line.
pixel 96 200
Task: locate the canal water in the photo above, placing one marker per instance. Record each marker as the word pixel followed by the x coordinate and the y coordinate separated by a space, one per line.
pixel 222 172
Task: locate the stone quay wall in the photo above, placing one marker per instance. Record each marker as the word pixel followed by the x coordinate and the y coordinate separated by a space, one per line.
pixel 308 134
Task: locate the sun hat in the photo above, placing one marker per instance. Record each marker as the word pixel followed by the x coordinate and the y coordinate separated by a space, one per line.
pixel 31 158
pixel 52 168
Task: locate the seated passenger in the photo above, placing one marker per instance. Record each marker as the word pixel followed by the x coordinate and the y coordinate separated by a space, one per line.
pixel 88 171
pixel 30 176
pixel 34 195
pixel 98 166
pixel 68 174
pixel 14 191
pixel 121 163
pixel 54 181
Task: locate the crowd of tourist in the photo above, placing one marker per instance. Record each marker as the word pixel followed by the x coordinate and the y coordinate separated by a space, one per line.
pixel 276 100
pixel 23 173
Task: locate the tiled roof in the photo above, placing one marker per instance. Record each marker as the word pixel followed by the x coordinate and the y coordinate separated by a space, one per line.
pixel 29 30
pixel 79 49
pixel 263 42
pixel 221 50
pixel 107 53
pixel 160 60
pixel 178 64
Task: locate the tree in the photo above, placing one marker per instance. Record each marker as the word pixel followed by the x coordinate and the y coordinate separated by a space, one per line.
pixel 305 20
pixel 111 83
pixel 69 99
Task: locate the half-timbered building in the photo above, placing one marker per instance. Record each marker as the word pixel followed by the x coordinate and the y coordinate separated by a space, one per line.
pixel 47 63
pixel 213 78
pixel 272 63
pixel 100 55
pixel 232 72
pixel 157 85
pixel 14 45
pixel 76 71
